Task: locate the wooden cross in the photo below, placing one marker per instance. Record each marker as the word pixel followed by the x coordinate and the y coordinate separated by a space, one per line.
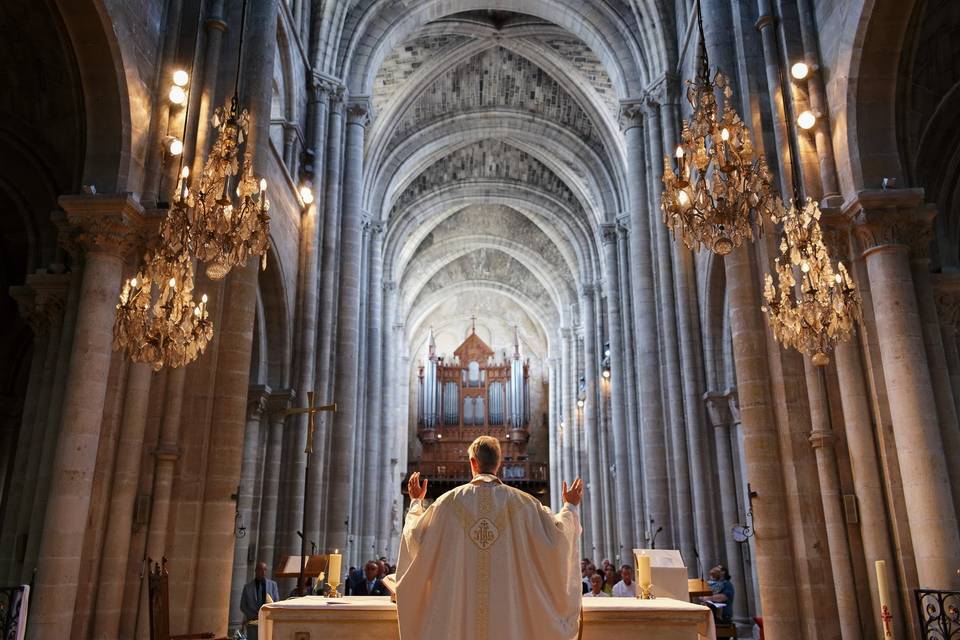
pixel 311 410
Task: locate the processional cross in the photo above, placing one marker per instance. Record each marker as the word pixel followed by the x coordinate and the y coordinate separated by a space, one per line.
pixel 311 410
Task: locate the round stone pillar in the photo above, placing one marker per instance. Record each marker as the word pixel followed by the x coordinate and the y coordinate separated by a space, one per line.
pixel 109 228
pixel 888 225
pixel 277 405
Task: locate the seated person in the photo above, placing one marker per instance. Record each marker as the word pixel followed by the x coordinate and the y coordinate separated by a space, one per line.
pixel 373 584
pixel 625 588
pixel 719 581
pixel 610 579
pixel 596 588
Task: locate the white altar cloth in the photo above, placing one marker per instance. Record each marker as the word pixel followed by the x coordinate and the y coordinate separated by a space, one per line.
pixel 375 618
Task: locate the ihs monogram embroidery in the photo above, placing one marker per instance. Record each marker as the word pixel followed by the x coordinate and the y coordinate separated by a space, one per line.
pixel 484 533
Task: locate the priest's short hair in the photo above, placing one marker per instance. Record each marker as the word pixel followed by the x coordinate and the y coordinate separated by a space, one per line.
pixel 486 451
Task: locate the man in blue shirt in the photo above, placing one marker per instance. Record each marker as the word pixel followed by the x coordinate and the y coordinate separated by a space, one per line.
pixel 722 593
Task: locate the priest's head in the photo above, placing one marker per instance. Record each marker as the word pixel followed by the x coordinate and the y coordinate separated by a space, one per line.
pixel 484 455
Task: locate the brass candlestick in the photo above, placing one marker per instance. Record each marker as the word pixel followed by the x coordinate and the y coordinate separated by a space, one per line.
pixel 646 592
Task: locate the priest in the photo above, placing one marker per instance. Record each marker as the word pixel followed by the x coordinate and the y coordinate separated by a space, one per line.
pixel 488 562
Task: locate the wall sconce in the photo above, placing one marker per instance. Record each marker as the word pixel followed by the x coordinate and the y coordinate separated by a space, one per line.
pixel 174 145
pixel 806 119
pixel 306 193
pixel 800 70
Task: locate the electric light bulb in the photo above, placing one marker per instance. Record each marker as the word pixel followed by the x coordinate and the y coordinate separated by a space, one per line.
pixel 804 267
pixel 580 403
pixel 173 282
pixel 684 198
pixel 838 278
pixel 679 152
pixel 133 283
pixel 263 184
pixel 175 147
pixel 806 120
pixel 606 373
pixel 306 194
pixel 181 78
pixel 185 173
pixel 196 311
pixel 724 135
pixel 800 70
pixel 177 95
pixel 203 298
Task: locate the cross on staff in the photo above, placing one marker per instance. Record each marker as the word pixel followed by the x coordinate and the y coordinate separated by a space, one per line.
pixel 311 410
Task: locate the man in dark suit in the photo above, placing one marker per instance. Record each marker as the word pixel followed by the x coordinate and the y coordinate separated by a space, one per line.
pixel 372 585
pixel 255 594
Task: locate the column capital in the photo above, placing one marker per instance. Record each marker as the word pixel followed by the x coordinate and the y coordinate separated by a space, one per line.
pixel 112 224
pixel 326 88
pixel 836 235
pixel 588 289
pixel 359 110
pixel 632 111
pixel 608 233
pixel 892 218
pixel 257 398
pixel 946 293
pixel 26 299
pixel 278 402
pixel 662 89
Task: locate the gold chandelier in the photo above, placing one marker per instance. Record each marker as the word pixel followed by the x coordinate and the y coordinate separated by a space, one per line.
pixel 812 308
pixel 157 320
pixel 223 232
pixel 715 189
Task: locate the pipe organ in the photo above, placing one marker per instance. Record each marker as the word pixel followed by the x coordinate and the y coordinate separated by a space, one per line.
pixel 471 394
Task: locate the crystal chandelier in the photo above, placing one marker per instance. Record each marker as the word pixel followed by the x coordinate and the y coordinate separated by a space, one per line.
pixel 157 320
pixel 715 189
pixel 812 308
pixel 221 231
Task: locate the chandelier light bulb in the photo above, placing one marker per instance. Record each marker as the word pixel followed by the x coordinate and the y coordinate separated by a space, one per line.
pixel 173 282
pixel 580 403
pixel 263 184
pixel 679 152
pixel 683 198
pixel 800 70
pixel 185 173
pixel 805 267
pixel 806 120
pixel 725 135
pixel 606 373
pixel 133 282
pixel 181 78
pixel 178 96
pixel 203 298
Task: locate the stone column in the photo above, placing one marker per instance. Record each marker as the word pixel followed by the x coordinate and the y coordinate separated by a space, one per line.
pixel 257 399
pixel 865 467
pixel 721 417
pixel 126 477
pixel 277 405
pixel 372 458
pixel 821 438
pixel 552 424
pixel 772 544
pixel 632 431
pixel 624 510
pixel 593 495
pixel 645 312
pixel 348 337
pixel 947 296
pixel 211 597
pixel 887 224
pixel 109 229
pixel 388 421
pixel 567 426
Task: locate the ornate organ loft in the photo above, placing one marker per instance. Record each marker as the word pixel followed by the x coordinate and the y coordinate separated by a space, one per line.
pixel 471 395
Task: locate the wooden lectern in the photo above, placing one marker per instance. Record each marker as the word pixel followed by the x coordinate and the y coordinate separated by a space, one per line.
pixel 314 567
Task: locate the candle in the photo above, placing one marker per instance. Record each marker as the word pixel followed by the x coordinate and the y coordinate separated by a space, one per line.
pixel 643 571
pixel 333 567
pixel 883 589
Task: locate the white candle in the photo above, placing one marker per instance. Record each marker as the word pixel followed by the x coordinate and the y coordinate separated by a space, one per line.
pixel 643 571
pixel 883 589
pixel 333 567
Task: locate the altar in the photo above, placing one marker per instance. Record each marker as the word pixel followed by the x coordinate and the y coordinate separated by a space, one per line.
pixel 375 618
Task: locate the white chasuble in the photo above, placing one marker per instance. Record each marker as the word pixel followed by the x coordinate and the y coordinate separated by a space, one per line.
pixel 488 562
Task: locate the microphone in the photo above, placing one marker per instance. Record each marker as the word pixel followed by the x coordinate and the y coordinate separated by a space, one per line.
pixel 699 564
pixel 653 543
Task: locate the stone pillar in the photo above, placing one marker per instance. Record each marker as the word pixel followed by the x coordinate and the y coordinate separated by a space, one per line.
pixel 947 296
pixel 348 337
pixel 215 27
pixel 567 426
pixel 388 422
pixel 593 495
pixel 552 424
pixel 645 312
pixel 624 510
pixel 277 405
pixel 773 553
pixel 211 597
pixel 126 477
pixel 821 438
pixel 372 458
pixel 632 431
pixel 257 399
pixel 109 229
pixel 865 467
pixel 887 224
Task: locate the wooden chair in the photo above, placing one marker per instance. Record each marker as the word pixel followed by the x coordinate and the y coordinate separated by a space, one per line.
pixel 160 606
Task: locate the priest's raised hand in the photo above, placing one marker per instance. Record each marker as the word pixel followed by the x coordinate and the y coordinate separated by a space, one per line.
pixel 457 573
